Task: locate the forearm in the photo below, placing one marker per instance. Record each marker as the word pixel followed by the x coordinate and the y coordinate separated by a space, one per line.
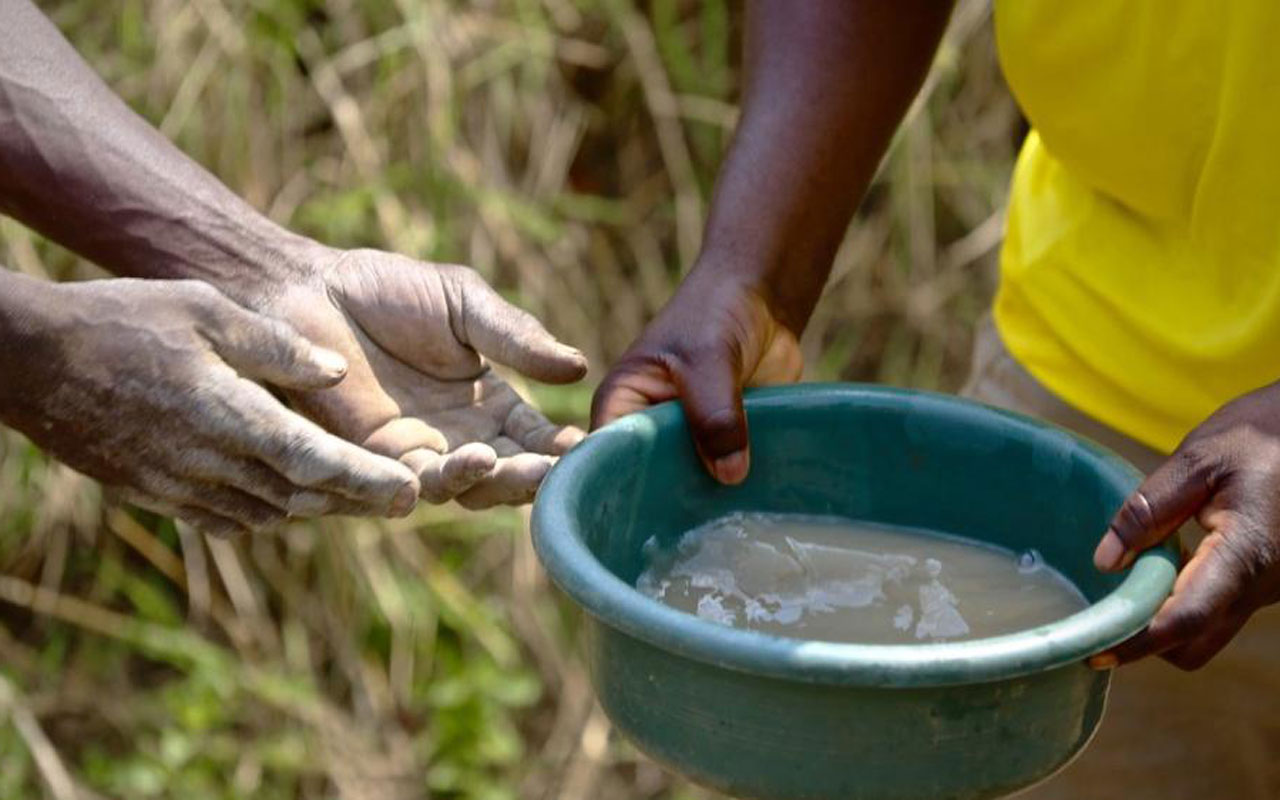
pixel 827 83
pixel 79 166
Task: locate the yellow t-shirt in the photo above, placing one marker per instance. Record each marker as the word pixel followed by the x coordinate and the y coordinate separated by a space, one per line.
pixel 1140 274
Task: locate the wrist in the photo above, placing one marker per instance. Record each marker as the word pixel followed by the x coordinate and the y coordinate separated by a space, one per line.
pixel 252 261
pixel 788 290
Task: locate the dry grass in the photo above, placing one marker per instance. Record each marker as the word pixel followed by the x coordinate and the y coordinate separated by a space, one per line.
pixel 566 150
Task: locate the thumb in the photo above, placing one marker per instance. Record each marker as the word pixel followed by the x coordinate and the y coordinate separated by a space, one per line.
pixel 509 335
pixel 712 397
pixel 271 350
pixel 1159 506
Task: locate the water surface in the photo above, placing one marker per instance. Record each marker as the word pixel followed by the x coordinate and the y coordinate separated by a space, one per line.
pixel 837 580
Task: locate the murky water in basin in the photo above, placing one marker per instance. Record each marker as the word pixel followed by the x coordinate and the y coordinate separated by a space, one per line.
pixel 837 580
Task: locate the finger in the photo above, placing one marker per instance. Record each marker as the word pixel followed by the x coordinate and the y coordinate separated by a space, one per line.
pixel 226 502
pixel 210 523
pixel 537 434
pixel 712 402
pixel 506 447
pixel 630 387
pixel 260 481
pixel 509 335
pixel 270 350
pixel 1203 597
pixel 202 520
pixel 307 456
pixel 444 477
pixel 403 435
pixel 1166 499
pixel 513 481
pixel 147 500
pixel 172 495
pixel 1200 651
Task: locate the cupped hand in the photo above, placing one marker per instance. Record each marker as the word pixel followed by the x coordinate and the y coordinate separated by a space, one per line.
pixel 419 388
pixel 1225 475
pixel 715 337
pixel 150 386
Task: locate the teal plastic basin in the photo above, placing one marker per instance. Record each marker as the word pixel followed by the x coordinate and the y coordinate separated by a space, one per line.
pixel 761 716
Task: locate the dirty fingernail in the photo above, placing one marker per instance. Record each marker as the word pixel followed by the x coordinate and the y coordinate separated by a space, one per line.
pixel 404 501
pixel 731 469
pixel 1103 661
pixel 576 356
pixel 329 361
pixel 1111 553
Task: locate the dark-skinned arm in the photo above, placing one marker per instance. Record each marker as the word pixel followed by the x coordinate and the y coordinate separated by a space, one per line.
pixel 152 387
pixel 79 166
pixel 827 84
pixel 82 168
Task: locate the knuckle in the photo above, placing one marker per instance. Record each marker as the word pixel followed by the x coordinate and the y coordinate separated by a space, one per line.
pixel 460 285
pixel 305 504
pixel 720 432
pixel 298 453
pixel 207 302
pixel 312 464
pixel 306 468
pixel 720 422
pixel 280 331
pixel 1134 518
pixel 293 447
pixel 1199 461
pixel 199 291
pixel 286 345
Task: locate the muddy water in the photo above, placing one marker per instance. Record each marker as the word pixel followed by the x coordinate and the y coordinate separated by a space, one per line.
pixel 841 581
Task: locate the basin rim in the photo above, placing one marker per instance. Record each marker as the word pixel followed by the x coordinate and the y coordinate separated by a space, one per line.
pixel 1115 617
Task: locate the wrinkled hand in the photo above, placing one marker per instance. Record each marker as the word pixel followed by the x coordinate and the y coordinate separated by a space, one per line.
pixel 418 388
pixel 713 338
pixel 1225 475
pixel 149 386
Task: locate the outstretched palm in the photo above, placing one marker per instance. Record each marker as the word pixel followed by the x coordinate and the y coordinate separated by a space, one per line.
pixel 419 388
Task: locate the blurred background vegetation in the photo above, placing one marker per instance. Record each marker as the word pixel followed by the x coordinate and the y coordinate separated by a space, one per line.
pixel 564 148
